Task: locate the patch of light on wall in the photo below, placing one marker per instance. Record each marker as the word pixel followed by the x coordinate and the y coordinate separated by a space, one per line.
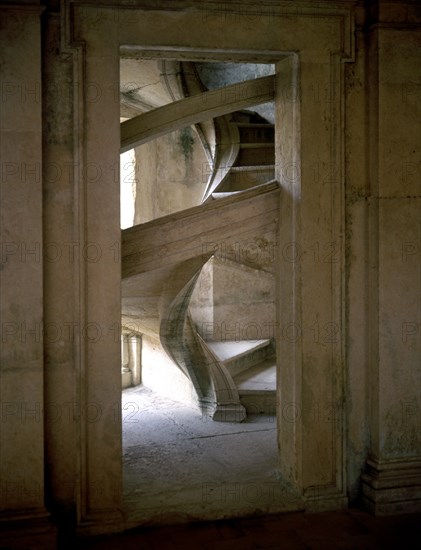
pixel 127 188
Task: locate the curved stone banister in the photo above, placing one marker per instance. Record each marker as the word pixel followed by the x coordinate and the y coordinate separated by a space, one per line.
pixel 203 230
pixel 194 109
pixel 226 152
pixel 161 260
pixel 227 407
pixel 216 391
pixel 181 80
pixel 219 137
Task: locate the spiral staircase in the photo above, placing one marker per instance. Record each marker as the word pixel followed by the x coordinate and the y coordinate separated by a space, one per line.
pixel 162 259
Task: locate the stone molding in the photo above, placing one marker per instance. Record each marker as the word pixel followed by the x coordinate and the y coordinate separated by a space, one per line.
pixel 295 52
pixel 27 529
pixel 392 487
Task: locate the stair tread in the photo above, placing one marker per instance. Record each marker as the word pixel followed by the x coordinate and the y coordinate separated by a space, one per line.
pixel 219 194
pixel 255 125
pixel 258 378
pixel 223 194
pixel 229 350
pixel 242 392
pixel 257 145
pixel 251 167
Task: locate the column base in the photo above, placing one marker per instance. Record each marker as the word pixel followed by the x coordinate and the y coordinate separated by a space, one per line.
pixel 229 413
pixel 392 487
pixel 223 412
pixel 27 529
pixel 101 522
pixel 324 499
pixel 126 379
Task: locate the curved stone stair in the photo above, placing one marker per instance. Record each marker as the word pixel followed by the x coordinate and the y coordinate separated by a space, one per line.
pixel 162 259
pixel 239 356
pixel 257 387
pixel 253 158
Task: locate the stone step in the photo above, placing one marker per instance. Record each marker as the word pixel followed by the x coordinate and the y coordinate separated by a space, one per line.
pixel 255 125
pixel 240 356
pixel 245 177
pixel 258 133
pixel 255 153
pixel 257 387
pixel 224 194
pixel 245 116
pixel 257 145
pixel 261 376
pixel 259 402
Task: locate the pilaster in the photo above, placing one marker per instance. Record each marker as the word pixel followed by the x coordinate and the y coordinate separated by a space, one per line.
pixel 23 516
pixel 391 482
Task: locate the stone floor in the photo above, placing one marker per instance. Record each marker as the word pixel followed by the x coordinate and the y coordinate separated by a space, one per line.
pixel 181 466
pixel 181 469
pixel 346 530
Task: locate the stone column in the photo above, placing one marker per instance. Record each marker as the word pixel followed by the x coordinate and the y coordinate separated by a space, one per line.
pixel 63 262
pixel 130 359
pixel 310 330
pixel 126 373
pixel 135 358
pixel 96 65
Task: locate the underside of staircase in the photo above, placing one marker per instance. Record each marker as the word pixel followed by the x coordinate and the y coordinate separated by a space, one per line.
pixel 162 261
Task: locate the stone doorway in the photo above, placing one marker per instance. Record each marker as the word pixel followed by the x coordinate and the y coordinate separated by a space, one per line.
pixel 231 306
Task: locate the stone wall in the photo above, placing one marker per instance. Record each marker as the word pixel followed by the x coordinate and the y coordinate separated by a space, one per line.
pixel 21 268
pixel 232 301
pixel 171 174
